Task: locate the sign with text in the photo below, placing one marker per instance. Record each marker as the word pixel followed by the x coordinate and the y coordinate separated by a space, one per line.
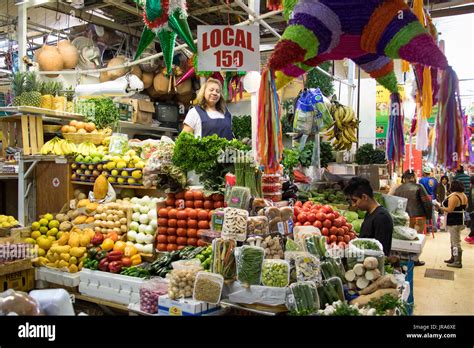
pixel 228 48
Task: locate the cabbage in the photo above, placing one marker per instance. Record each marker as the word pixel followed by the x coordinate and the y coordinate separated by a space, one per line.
pixel 404 233
pixel 356 224
pixel 351 216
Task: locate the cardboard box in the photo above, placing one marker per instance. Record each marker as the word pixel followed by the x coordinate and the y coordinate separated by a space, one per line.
pixel 184 307
pixel 143 110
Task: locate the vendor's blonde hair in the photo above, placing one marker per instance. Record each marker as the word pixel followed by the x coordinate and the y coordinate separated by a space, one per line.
pixel 220 105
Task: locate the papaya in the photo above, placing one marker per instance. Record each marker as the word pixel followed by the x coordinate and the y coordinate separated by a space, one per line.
pixel 101 186
pixel 80 220
pixel 77 251
pixel 63 264
pixel 73 240
pixel 90 220
pixel 83 203
pixel 63 240
pixel 61 249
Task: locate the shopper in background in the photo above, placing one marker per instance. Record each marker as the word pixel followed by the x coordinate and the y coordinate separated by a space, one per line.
pixel 419 205
pixel 210 116
pixel 442 191
pixel 463 178
pixel 454 205
pixel 377 223
pixel 470 238
pixel 430 184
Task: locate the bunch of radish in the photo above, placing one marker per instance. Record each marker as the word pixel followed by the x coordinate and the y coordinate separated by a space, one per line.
pixel 334 227
pixel 187 214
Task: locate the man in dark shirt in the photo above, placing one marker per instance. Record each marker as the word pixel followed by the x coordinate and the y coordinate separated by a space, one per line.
pixel 378 223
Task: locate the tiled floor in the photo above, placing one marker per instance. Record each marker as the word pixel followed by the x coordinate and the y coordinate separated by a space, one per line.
pixel 444 297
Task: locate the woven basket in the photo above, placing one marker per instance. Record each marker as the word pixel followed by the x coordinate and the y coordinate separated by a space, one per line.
pixel 78 138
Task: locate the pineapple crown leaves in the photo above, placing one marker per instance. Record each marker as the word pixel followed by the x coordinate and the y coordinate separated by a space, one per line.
pixel 32 83
pixel 18 83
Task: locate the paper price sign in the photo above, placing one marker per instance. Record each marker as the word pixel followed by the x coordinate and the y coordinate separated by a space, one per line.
pixel 228 48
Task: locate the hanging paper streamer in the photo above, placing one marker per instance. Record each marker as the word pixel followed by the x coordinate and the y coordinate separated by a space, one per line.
pixel 274 5
pixel 450 135
pixel 269 140
pixel 395 133
pixel 165 19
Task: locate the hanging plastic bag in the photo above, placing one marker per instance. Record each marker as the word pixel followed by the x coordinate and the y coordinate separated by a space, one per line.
pixel 118 144
pixel 304 114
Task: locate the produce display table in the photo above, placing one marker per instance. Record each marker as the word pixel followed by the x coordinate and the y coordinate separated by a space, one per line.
pixel 46 276
pixel 255 309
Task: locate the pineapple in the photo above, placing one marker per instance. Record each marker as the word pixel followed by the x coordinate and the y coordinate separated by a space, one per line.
pixel 17 88
pixel 47 95
pixel 59 101
pixel 31 96
pixel 69 96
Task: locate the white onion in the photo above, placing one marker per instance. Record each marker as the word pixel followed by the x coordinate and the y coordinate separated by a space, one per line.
pixel 139 247
pixel 149 238
pixel 142 228
pixel 152 214
pixel 137 208
pixel 143 218
pixel 134 225
pixel 149 230
pixel 140 238
pixel 153 224
pixel 136 216
pixel 134 200
pixel 131 235
pixel 148 249
pixel 144 209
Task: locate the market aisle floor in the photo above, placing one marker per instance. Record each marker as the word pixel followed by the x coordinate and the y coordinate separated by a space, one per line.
pixel 439 296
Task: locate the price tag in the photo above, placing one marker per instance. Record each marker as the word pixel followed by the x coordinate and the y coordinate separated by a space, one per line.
pixel 228 48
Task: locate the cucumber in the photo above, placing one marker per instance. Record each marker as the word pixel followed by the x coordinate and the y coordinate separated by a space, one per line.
pixel 331 293
pixel 326 269
pixel 322 297
pixel 322 246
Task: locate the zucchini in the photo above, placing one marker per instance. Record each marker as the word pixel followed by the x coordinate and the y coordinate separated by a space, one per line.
pixel 327 270
pixel 331 293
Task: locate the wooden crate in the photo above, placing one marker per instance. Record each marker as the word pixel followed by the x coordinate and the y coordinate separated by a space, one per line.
pixel 25 132
pixel 15 266
pixel 20 281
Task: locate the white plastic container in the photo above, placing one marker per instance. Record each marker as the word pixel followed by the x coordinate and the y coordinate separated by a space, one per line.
pixel 268 266
pixel 53 301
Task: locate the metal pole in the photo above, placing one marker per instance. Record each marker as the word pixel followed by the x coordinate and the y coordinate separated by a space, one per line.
pixel 254 5
pixel 22 30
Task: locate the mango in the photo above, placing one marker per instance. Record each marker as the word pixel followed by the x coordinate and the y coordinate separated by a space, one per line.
pixel 77 251
pixel 73 260
pixel 73 269
pixel 65 257
pixel 63 264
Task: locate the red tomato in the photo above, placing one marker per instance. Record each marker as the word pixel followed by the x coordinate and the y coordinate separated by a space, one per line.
pixel 346 229
pixel 171 231
pixel 162 230
pixel 179 195
pixel 328 209
pixel 217 197
pixel 170 196
pixel 203 215
pixel 182 215
pixel 192 241
pixel 318 224
pixel 199 233
pixel 163 213
pixel 182 223
pixel 298 204
pixel 192 233
pixel 305 210
pixel 189 204
pixel 162 238
pixel 199 204
pixel 342 245
pixel 308 204
pixel 192 224
pixel 307 223
pixel 208 204
pixel 126 261
pixel 203 225
pixel 333 230
pixel 192 214
pixel 297 210
pixel 352 235
pixel 218 204
pixel 349 226
pixel 343 219
pixel 162 222
pixel 321 216
pixel 162 247
pixel 311 217
pixel 189 195
pixel 172 213
pixel 340 238
pixel 181 232
pixel 180 247
pixel 331 216
pixel 297 223
pixel 182 240
pixel 302 218
pixel 198 195
pixel 346 238
pixel 318 206
pixel 172 222
pixel 340 231
pixel 172 239
pixel 337 222
pixel 172 247
pixel 332 239
pixel 325 231
pixel 170 202
pixel 326 223
pixel 336 214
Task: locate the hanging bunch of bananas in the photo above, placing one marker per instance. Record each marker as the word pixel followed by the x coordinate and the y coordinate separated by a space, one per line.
pixel 343 129
pixel 59 147
pixel 86 149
